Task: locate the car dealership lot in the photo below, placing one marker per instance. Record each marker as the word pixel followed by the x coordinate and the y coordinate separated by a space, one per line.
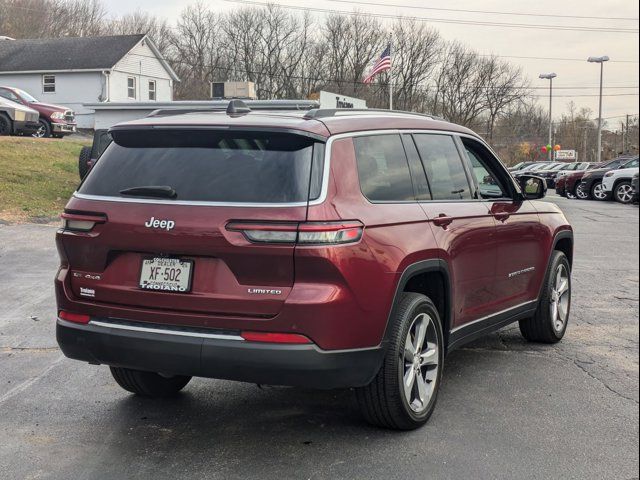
pixel 507 409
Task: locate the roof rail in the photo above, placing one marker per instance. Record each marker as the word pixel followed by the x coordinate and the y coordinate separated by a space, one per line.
pixel 318 113
pixel 235 107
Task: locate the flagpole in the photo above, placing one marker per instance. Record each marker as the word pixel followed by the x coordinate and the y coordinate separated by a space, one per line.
pixel 390 73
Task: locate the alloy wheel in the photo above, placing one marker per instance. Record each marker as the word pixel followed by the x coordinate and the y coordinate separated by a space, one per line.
pixel 599 192
pixel 560 298
pixel 624 193
pixel 40 132
pixel 421 357
pixel 581 193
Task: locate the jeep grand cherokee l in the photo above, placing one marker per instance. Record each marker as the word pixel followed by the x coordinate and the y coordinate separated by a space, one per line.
pixel 323 249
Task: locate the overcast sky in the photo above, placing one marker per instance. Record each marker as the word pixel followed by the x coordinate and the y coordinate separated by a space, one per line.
pixel 508 41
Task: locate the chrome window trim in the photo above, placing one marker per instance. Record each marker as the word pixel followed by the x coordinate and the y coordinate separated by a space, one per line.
pixel 133 328
pixel 325 177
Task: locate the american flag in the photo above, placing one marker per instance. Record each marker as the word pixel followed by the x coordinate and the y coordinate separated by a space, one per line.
pixel 382 65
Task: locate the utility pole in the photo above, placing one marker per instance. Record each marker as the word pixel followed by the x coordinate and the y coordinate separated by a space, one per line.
pixel 626 143
pixel 601 61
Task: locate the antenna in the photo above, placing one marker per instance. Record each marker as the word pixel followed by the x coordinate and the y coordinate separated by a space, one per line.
pixel 237 107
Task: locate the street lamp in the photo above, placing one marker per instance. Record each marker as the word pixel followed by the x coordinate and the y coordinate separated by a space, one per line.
pixel 601 61
pixel 550 77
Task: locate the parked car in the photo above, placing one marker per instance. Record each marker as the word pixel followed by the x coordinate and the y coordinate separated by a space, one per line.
pixel 636 189
pixel 567 184
pixel 617 183
pixel 591 187
pixel 89 155
pixel 550 173
pixel 16 118
pixel 520 166
pixel 54 120
pixel 325 249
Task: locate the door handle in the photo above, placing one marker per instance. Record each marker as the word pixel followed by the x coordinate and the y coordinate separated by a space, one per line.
pixel 443 220
pixel 502 216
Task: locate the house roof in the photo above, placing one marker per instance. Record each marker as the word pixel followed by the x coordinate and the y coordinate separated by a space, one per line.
pixel 69 53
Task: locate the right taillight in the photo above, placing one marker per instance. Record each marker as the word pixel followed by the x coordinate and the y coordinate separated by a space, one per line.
pixel 307 233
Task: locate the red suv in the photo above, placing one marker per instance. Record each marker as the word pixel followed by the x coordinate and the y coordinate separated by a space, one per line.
pixel 324 249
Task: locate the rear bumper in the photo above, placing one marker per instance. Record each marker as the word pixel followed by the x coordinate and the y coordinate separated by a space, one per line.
pixel 25 127
pixel 224 356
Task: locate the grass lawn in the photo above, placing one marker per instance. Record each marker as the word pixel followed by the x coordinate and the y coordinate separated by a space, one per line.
pixel 37 176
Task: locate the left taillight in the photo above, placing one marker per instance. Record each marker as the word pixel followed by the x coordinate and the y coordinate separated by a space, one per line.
pixel 307 233
pixel 81 222
pixel 74 317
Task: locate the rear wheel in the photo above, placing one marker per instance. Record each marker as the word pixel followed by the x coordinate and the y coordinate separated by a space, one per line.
pixel 403 394
pixel 598 192
pixel 148 384
pixel 549 324
pixel 624 192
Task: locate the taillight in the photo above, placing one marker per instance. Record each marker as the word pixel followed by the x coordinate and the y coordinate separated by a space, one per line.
pixel 308 233
pixel 269 337
pixel 81 222
pixel 74 317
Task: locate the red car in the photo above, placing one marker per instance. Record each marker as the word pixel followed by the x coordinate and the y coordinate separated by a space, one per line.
pixel 325 249
pixel 55 120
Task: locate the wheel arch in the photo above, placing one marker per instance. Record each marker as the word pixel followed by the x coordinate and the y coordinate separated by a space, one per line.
pixel 432 279
pixel 563 242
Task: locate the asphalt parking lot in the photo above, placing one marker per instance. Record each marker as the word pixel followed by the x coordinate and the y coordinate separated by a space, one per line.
pixel 507 409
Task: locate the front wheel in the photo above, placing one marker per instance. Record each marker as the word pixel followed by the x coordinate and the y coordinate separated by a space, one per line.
pixel 582 193
pixel 598 192
pixel 6 127
pixel 624 192
pixel 549 323
pixel 403 394
pixel 148 384
pixel 44 129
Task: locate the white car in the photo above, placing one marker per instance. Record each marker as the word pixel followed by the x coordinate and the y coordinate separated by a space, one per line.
pixel 617 183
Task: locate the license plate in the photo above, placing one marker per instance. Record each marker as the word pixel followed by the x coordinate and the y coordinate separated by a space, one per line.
pixel 166 274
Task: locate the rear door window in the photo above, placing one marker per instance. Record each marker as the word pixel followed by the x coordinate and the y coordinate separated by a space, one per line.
pixel 383 169
pixel 210 166
pixel 443 165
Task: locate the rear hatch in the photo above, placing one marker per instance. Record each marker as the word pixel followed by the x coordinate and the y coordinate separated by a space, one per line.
pixel 152 225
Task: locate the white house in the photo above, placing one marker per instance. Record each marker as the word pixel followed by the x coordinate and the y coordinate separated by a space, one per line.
pixel 73 71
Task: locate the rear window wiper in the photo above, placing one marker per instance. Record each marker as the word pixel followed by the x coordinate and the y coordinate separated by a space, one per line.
pixel 161 191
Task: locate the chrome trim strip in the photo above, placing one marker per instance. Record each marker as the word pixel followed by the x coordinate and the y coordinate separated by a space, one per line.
pixel 118 326
pixel 493 315
pixel 192 203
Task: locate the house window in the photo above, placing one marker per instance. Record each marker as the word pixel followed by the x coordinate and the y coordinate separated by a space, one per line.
pixel 152 89
pixel 131 87
pixel 48 84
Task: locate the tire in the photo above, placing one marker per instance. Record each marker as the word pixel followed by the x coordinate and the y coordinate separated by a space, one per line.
pixel 6 126
pixel 44 130
pixel 545 326
pixel 580 193
pixel 598 192
pixel 623 192
pixel 83 161
pixel 148 384
pixel 385 402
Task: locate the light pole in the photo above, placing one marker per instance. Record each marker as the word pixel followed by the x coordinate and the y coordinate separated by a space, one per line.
pixel 601 61
pixel 550 77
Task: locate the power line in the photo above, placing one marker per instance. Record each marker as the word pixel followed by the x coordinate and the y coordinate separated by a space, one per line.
pixel 441 20
pixel 487 12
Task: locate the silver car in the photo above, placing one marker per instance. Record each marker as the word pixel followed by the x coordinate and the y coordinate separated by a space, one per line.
pixel 16 118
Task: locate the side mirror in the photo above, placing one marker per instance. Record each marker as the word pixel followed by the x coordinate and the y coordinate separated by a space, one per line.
pixel 533 188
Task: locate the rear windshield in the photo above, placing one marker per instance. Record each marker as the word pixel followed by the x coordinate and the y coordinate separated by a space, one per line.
pixel 210 166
